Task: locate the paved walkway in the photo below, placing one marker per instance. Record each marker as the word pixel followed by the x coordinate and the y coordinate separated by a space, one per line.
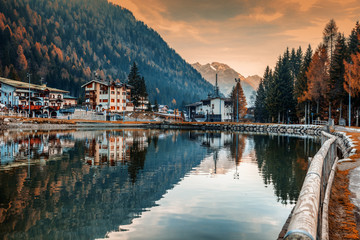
pixel 354 175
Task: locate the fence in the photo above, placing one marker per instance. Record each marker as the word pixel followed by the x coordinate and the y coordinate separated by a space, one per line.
pixel 309 218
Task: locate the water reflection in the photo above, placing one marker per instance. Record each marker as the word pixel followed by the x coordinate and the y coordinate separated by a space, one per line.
pixel 290 159
pixel 84 184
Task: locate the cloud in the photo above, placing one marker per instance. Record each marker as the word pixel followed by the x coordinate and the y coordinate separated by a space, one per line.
pixel 245 34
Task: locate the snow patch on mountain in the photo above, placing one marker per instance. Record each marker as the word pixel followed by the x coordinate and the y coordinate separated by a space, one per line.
pixel 226 79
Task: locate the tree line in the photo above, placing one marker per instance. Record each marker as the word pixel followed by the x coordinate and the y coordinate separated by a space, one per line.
pixel 318 84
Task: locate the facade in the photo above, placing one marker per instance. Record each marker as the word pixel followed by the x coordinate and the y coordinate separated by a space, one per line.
pixel 143 104
pixel 212 109
pixel 43 100
pixel 105 96
pixel 69 101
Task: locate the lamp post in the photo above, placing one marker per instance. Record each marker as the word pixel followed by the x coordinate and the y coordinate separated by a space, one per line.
pixel 237 80
pixel 349 97
pixel 29 76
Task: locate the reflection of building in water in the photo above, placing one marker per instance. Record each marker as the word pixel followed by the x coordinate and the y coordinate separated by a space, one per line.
pixel 114 148
pixel 227 151
pixel 17 147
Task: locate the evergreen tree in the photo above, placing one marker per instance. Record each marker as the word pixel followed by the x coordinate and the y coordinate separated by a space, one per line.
pixel 138 92
pixel 337 71
pixel 301 85
pixel 260 111
pixel 272 94
pixel 156 106
pixel 329 38
pixel 353 42
pixel 149 108
pixel 285 84
pixel 239 101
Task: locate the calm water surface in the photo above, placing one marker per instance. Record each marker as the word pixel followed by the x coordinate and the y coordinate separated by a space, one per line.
pixel 147 184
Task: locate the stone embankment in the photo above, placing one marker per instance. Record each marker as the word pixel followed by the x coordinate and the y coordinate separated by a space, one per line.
pixel 306 130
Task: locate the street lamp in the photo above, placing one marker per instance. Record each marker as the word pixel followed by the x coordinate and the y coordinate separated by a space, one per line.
pixel 237 80
pixel 349 97
pixel 29 75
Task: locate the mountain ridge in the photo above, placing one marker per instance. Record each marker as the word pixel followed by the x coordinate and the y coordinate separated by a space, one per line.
pixel 226 78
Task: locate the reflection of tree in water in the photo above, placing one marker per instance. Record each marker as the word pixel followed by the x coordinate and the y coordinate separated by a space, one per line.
pixel 285 155
pixel 137 159
pixel 237 147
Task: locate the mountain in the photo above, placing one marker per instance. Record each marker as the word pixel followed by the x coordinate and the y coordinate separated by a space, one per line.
pixel 66 41
pixel 226 78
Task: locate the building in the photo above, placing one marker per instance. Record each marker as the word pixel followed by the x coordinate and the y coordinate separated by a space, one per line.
pixel 213 109
pixel 69 101
pixel 108 96
pixel 43 100
pixel 143 104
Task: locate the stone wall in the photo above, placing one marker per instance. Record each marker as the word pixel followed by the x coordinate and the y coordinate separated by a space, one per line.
pixel 308 130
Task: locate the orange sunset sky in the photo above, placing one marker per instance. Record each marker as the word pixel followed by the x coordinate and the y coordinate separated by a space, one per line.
pixel 247 35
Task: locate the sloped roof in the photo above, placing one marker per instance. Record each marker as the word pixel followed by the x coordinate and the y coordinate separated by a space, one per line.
pixel 69 97
pixel 107 83
pixel 24 85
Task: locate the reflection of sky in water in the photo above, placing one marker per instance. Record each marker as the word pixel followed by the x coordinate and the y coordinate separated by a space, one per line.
pixel 208 206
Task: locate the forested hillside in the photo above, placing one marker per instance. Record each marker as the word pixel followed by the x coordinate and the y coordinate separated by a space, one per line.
pixel 65 41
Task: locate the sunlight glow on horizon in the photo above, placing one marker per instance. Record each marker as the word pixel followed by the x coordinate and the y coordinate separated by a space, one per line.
pixel 247 36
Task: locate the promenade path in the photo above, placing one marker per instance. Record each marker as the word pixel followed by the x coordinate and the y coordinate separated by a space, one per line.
pixel 345 196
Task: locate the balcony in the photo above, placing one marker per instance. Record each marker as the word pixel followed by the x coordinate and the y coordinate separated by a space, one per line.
pixel 32 107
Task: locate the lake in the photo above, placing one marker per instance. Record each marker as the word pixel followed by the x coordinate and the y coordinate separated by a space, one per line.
pixel 148 184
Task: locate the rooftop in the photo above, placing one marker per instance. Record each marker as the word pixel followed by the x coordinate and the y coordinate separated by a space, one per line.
pixel 108 83
pixel 25 85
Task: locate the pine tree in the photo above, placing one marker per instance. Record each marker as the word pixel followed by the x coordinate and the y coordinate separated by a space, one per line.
pixel 329 38
pixel 156 106
pixel 260 111
pixel 353 42
pixel 337 71
pixel 239 101
pixel 301 86
pixel 272 93
pixel 135 80
pixel 285 84
pixel 301 83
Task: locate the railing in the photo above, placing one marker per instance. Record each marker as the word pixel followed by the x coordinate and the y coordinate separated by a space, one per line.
pixel 307 218
pixel 320 122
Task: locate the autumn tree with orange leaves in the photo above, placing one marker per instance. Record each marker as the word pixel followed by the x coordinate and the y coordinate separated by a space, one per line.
pixel 318 77
pixel 352 75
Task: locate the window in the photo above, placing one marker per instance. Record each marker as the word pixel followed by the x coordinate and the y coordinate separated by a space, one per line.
pixel 112 92
pixel 118 100
pixel 112 100
pixel 59 96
